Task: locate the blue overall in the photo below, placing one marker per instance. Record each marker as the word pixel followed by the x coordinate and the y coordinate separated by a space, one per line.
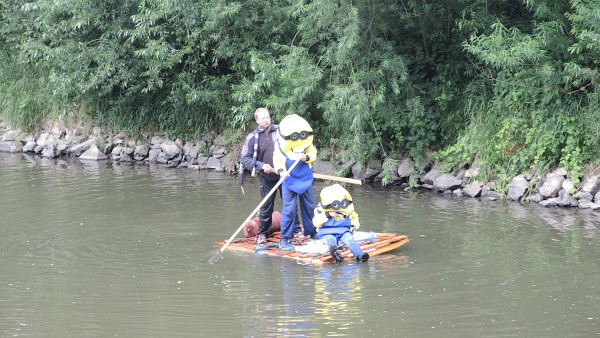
pixel 298 184
pixel 334 230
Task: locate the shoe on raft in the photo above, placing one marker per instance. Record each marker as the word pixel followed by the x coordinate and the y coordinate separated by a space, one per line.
pixel 336 255
pixel 285 245
pixel 261 239
pixel 299 236
pixel 363 257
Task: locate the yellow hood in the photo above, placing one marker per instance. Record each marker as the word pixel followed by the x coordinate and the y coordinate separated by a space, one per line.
pixel 291 130
pixel 336 193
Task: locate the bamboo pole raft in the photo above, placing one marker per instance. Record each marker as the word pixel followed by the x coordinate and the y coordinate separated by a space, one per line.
pixel 377 244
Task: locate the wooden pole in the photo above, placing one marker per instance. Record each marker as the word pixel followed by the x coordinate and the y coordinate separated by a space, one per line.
pixel 258 206
pixel 337 179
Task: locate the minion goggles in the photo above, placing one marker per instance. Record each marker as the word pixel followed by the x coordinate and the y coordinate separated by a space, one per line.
pixel 337 205
pixel 303 135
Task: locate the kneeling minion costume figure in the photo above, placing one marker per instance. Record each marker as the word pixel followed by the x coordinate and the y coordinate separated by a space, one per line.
pixel 295 143
pixel 336 220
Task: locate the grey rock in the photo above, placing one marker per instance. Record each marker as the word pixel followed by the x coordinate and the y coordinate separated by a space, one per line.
pixel 141 152
pixel 50 150
pixel 518 188
pixel 566 199
pixel 11 146
pixel 367 174
pixel 80 148
pixel 61 147
pixel 213 163
pixel 494 195
pixel 551 202
pixel 537 197
pixel 583 196
pixel 473 189
pixel 93 154
pixel 153 155
pixel 324 167
pixel 157 140
pixel 561 172
pixel 552 185
pixel 591 185
pixel 568 186
pixel 219 141
pixel 406 168
pixel 41 141
pixel 202 161
pixel 116 152
pixel 585 204
pixel 10 135
pixel 187 147
pixel 193 152
pixel 431 174
pixel 446 182
pixel 125 158
pixel 170 149
pixel 29 147
pixel 128 151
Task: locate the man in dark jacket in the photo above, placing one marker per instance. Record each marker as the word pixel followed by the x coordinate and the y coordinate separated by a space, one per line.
pixel 257 155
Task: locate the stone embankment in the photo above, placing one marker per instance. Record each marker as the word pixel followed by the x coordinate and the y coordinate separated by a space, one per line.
pixel 55 140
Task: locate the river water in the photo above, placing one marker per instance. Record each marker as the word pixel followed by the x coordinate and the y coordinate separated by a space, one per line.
pixel 96 249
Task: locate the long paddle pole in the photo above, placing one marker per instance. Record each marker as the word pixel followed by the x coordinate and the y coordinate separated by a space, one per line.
pixel 337 179
pixel 258 206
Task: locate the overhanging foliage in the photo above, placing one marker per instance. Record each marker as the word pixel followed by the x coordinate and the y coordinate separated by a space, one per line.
pixel 510 84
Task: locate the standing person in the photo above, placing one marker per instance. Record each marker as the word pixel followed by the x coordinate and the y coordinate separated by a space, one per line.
pixel 294 143
pixel 257 154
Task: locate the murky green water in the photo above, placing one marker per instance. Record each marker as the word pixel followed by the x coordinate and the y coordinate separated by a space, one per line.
pixel 102 250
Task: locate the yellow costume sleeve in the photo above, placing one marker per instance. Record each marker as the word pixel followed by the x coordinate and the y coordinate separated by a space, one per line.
pixel 278 159
pixel 311 151
pixel 319 218
pixel 354 220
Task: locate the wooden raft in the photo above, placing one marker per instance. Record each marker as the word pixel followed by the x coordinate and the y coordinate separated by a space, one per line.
pixel 384 242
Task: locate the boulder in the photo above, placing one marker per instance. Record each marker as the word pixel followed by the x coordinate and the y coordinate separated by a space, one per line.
pixel 170 149
pixel 552 185
pixel 566 199
pixel 11 146
pixel 591 185
pixel 141 152
pixel 10 135
pixel 431 174
pixel 583 196
pixel 446 182
pixel 80 148
pixel 406 168
pixel 568 186
pixel 213 163
pixel 93 153
pixel 367 174
pixel 518 188
pixel 473 189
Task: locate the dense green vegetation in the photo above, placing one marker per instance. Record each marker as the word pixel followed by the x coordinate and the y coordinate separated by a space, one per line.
pixel 509 84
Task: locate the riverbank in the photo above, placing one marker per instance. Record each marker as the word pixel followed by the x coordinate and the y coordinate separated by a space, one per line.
pixel 212 152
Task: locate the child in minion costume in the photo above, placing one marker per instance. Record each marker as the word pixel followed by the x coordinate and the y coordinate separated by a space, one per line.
pixel 295 142
pixel 336 220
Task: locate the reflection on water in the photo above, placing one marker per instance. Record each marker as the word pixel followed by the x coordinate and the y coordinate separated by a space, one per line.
pixel 339 294
pixel 281 298
pixel 102 249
